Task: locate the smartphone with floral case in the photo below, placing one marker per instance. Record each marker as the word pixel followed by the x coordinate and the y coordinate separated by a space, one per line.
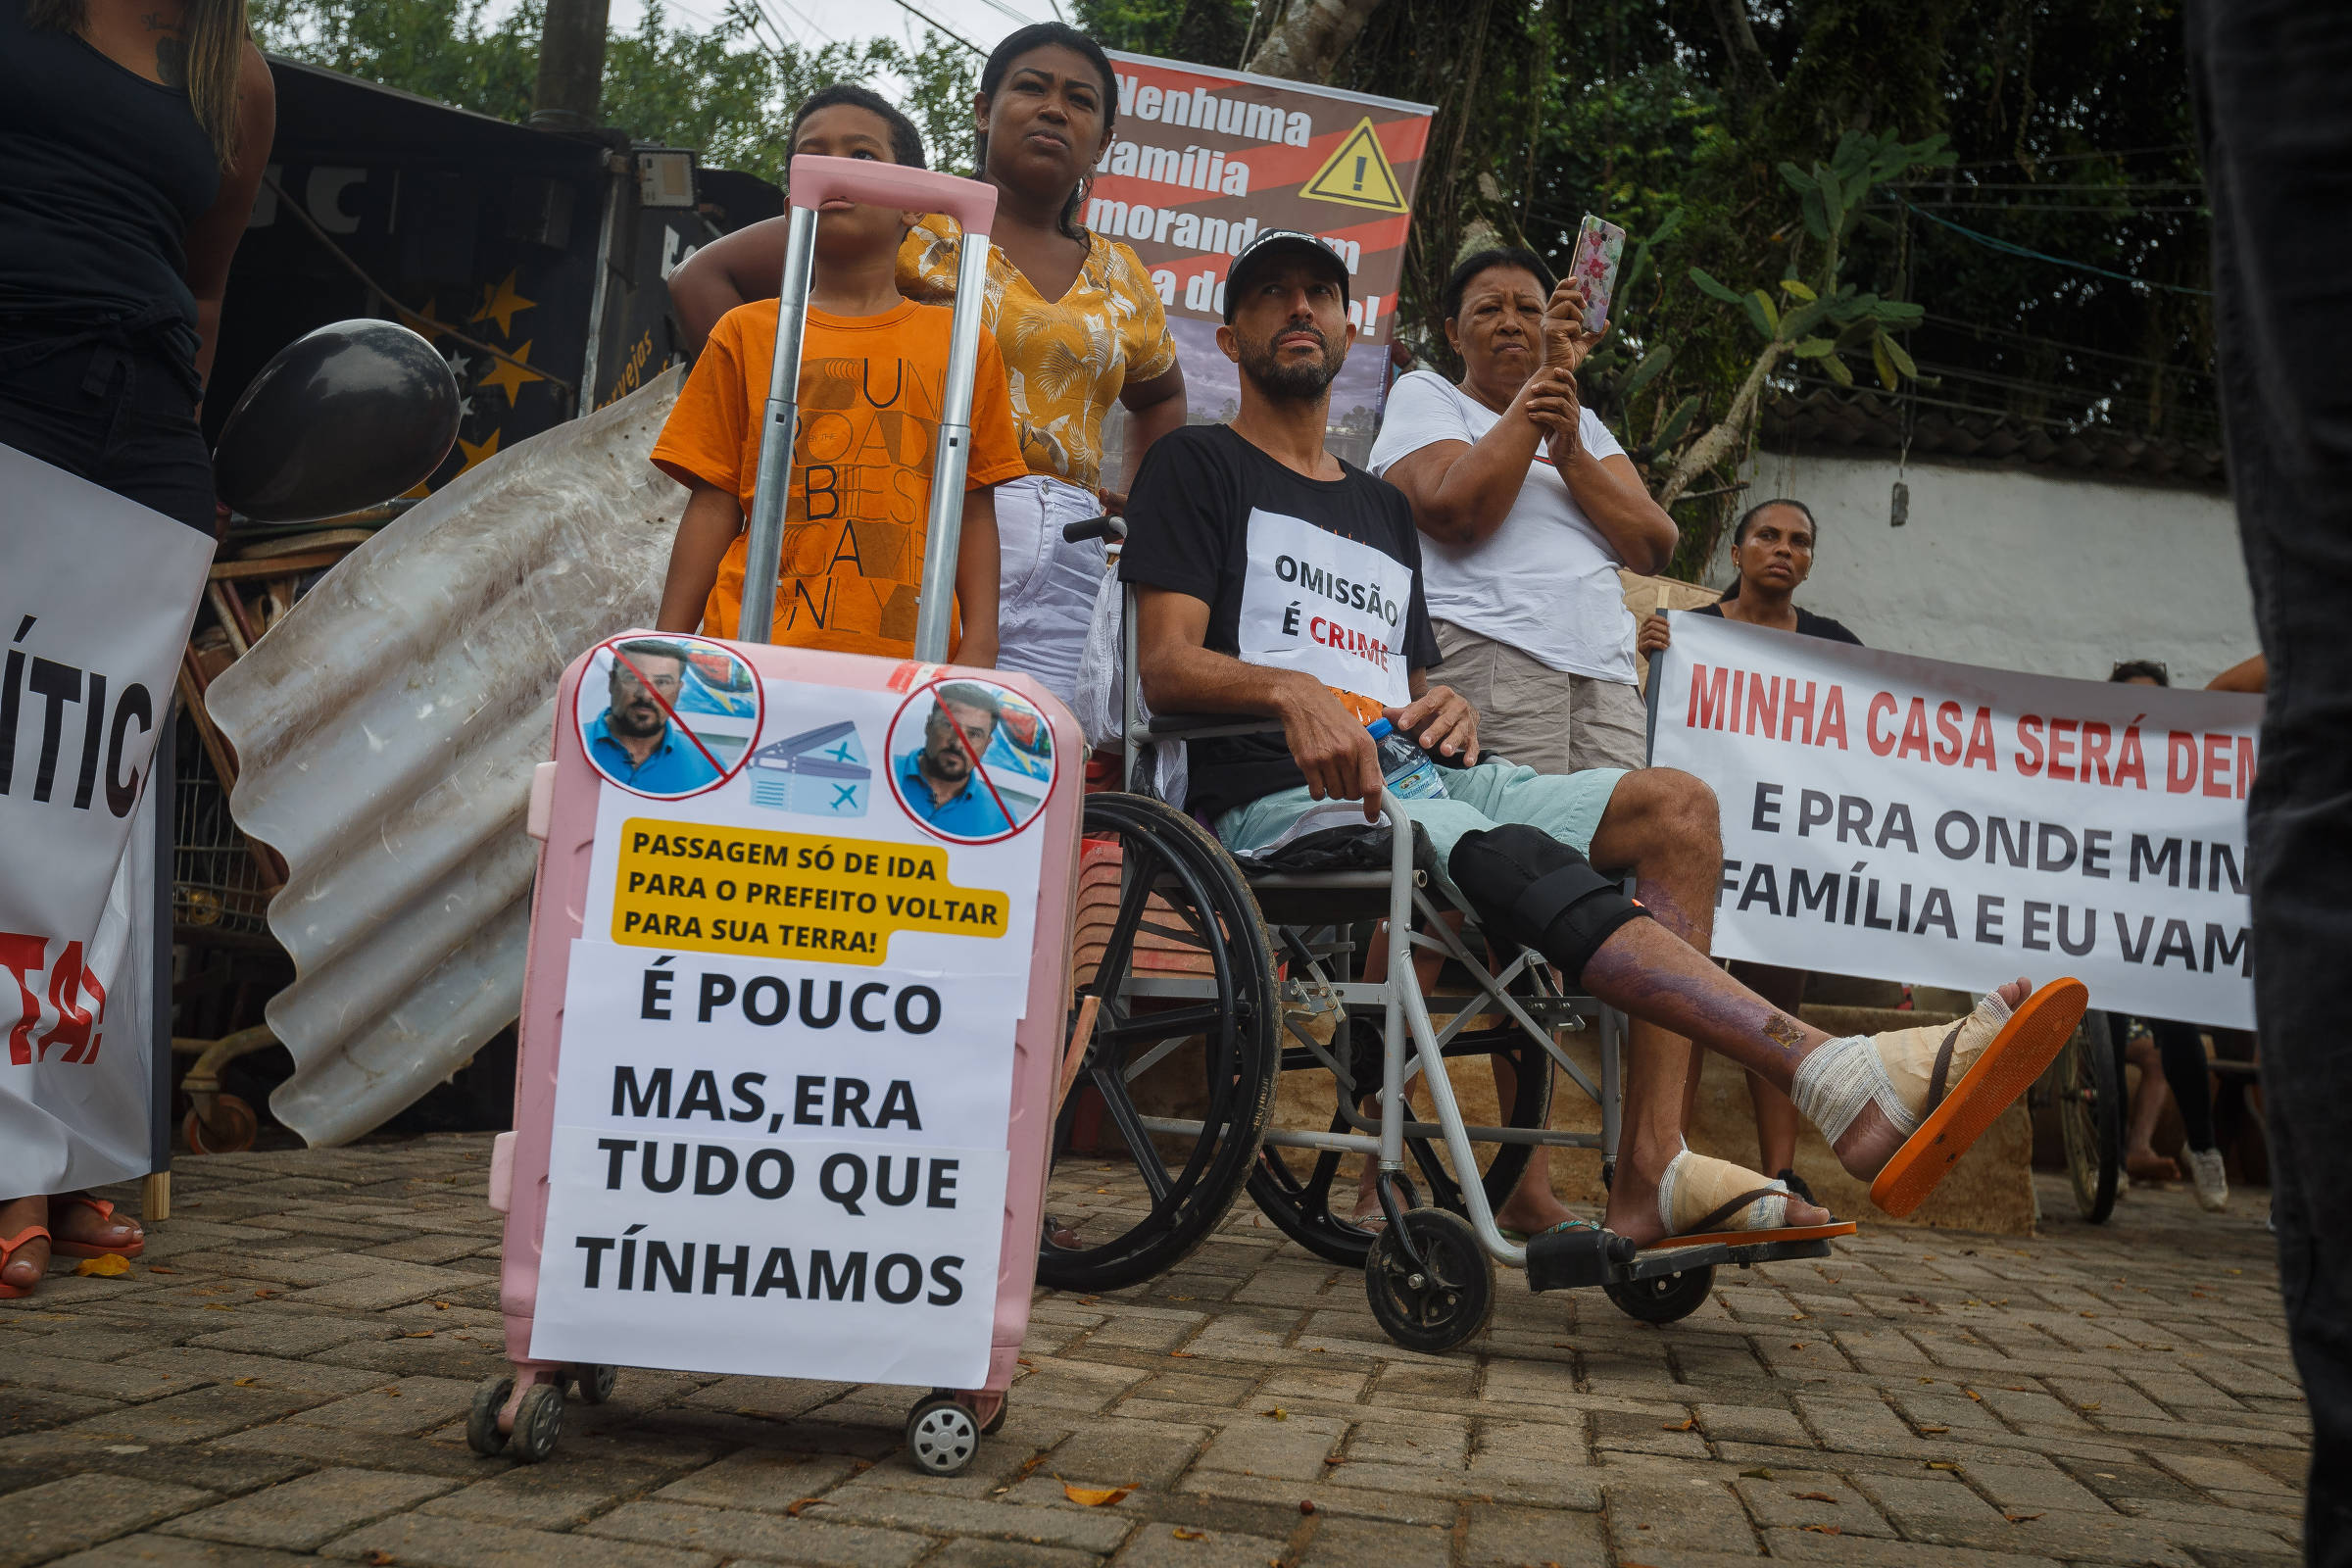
pixel 1599 247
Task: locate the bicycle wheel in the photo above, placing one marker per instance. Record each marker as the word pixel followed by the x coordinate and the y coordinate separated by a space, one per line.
pixel 2090 1094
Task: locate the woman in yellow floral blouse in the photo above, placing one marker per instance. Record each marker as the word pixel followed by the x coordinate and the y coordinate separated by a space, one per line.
pixel 1075 315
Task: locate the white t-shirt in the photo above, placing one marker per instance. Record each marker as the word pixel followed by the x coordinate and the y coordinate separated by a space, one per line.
pixel 1545 581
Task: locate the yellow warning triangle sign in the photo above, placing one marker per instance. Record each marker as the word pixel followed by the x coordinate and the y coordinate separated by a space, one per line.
pixel 1359 174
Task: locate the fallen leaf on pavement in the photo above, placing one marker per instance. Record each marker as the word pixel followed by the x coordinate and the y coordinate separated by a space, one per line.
pixel 1691 1424
pixel 377 1558
pixel 1182 1534
pixel 1307 1505
pixel 1942 1464
pixel 1334 1460
pixel 1185 1355
pixel 1094 1496
pixel 2092 1405
pixel 418 1333
pixel 795 1510
pixel 1813 1496
pixel 106 1267
pixel 2020 1518
pixel 243 1383
pixel 1278 1413
pixel 1934 1432
pixel 1758 1473
pixel 154 1270
pixel 1826 1530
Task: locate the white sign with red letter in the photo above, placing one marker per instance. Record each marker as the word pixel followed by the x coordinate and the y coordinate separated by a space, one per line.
pixel 96 596
pixel 1910 819
pixel 1331 606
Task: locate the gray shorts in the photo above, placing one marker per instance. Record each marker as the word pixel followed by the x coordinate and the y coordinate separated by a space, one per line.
pixel 1537 716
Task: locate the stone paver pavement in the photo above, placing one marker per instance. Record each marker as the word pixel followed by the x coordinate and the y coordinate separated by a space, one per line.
pixel 283 1376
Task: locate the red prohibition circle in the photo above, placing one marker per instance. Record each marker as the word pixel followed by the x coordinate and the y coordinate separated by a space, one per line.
pixel 688 643
pixel 890 761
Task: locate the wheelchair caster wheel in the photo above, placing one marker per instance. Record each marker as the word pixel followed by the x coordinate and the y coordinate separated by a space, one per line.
pixel 1434 1308
pixel 594 1382
pixel 481 1420
pixel 1667 1298
pixel 538 1422
pixel 942 1435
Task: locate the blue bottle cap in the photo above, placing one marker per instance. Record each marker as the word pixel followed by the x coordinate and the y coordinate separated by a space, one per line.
pixel 1380 729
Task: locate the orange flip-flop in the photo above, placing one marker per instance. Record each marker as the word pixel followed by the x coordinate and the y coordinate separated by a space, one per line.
pixel 106 1210
pixel 1791 1233
pixel 2027 1044
pixel 8 1250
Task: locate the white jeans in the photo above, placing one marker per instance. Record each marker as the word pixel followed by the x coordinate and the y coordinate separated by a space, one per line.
pixel 1046 588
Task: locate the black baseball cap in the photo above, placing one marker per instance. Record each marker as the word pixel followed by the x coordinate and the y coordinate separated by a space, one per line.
pixel 1273 245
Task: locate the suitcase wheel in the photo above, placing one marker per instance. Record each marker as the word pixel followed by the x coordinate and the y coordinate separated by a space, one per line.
pixel 942 1435
pixel 481 1421
pixel 538 1422
pixel 594 1382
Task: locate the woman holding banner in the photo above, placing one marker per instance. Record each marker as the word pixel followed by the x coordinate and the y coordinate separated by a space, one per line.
pixel 136 137
pixel 1076 316
pixel 1771 550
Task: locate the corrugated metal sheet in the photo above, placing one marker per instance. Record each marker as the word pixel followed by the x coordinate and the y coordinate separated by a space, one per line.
pixel 386 731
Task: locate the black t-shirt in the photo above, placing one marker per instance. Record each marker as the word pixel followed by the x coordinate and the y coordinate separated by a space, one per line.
pixel 1808 625
pixel 1353 616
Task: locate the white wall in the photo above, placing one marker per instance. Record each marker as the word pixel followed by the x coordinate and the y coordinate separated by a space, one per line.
pixel 2017 571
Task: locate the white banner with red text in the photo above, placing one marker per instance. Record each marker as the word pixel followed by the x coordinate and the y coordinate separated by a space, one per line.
pixel 96 597
pixel 1909 819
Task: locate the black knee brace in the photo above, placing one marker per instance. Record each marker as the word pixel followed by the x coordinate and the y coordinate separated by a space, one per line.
pixel 1528 887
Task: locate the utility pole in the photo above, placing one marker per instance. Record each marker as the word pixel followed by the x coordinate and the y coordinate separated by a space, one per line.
pixel 571 64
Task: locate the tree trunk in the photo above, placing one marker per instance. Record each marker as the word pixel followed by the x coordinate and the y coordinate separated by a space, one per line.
pixel 571 64
pixel 1750 73
pixel 1728 434
pixel 1308 37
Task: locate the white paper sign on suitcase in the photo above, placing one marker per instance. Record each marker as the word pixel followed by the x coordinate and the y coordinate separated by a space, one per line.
pixel 779 1143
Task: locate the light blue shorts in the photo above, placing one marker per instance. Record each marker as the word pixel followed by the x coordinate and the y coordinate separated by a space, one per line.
pixel 1566 806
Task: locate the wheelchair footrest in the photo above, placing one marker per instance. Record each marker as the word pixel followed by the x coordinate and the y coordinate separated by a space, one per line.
pixel 1567 1260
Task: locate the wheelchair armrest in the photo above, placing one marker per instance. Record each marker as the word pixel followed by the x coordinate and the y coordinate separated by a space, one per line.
pixel 1103 527
pixel 1200 727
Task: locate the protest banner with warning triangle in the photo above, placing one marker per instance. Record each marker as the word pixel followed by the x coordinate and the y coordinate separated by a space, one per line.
pixel 1359 174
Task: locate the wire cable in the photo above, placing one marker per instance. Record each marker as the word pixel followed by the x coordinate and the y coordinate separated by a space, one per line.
pixel 2011 248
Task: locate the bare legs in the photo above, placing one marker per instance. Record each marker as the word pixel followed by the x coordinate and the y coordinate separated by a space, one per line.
pixel 1777 1120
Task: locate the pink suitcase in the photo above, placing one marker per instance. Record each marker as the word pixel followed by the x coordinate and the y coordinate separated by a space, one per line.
pixel 791 772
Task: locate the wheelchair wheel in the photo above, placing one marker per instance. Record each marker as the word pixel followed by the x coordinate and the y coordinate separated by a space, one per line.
pixel 2088 1089
pixel 1664 1298
pixel 1434 1308
pixel 1297 1188
pixel 1168 938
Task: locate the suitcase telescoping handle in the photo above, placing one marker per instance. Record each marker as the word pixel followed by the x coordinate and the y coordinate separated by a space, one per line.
pixel 974 205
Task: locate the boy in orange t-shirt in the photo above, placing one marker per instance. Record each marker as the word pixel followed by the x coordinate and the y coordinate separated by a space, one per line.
pixel 873 365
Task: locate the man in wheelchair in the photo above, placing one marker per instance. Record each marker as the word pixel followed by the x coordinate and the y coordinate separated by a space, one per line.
pixel 1273 580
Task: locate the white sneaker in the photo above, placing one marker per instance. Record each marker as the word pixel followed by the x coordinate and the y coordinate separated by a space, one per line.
pixel 2205 1171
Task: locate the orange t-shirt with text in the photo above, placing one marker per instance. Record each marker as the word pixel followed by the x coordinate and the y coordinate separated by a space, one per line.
pixel 854 523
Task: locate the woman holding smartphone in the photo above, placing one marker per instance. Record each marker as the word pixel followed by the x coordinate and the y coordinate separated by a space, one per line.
pixel 1527 507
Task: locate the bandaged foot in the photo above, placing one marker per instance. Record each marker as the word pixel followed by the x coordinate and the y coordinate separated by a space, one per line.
pixel 1904 1072
pixel 1700 1195
pixel 1901 1107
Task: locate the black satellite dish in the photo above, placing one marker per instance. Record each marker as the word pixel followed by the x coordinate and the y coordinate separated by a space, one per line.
pixel 343 418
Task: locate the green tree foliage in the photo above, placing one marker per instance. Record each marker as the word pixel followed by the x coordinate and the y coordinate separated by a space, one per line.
pixel 2068 134
pixel 727 92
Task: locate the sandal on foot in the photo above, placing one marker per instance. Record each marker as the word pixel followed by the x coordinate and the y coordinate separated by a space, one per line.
pixel 7 1251
pixel 1942 1086
pixel 1703 1199
pixel 62 1247
pixel 1788 1178
pixel 2150 1168
pixel 1571 1223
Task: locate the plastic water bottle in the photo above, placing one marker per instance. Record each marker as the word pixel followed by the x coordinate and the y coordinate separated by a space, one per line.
pixel 1406 769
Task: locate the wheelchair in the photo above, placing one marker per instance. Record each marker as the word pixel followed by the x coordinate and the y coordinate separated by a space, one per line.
pixel 1203 987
